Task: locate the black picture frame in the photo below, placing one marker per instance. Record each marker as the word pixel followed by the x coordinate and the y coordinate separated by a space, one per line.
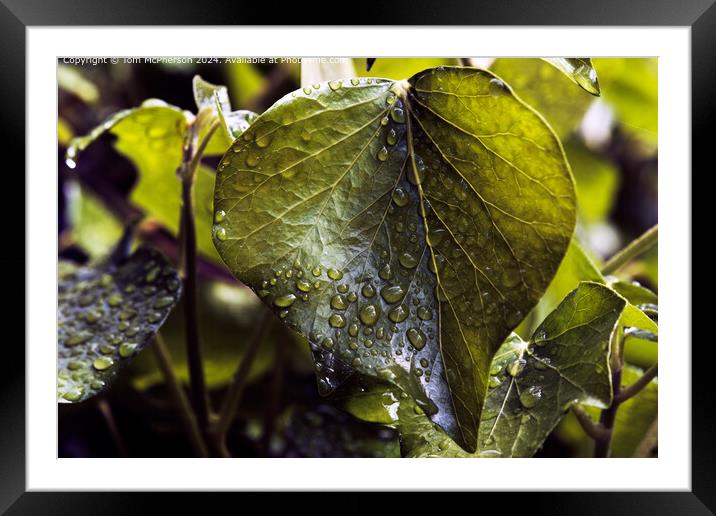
pixel 17 15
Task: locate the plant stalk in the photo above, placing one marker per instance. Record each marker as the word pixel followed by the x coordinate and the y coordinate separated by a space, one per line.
pixel 236 389
pixel 608 417
pixel 181 401
pixel 636 387
pixel 638 246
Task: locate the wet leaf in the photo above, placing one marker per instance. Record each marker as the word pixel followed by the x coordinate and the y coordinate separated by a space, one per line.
pixel 547 90
pixel 578 69
pixel 533 383
pixel 323 204
pixel 106 314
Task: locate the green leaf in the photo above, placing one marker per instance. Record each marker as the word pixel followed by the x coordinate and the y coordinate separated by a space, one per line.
pixel 94 228
pixel 323 205
pixel 69 78
pixel 532 385
pixel 152 138
pixel 546 89
pixel 106 314
pixel 578 69
pixel 566 361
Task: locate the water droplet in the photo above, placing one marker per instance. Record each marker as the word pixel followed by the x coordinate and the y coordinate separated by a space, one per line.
pixel 114 300
pixel 416 338
pixel 497 87
pixel 307 90
pixel 398 314
pixel 263 141
pixel 400 198
pixel 383 154
pixel 252 158
pixel 353 330
pixel 335 85
pixel 390 99
pixel 369 315
pixel 398 115
pixel 335 274
pixel 384 121
pixel 163 302
pixel 76 392
pixel 424 313
pixel 327 343
pixel 126 349
pixel 352 297
pixel 303 285
pixel 368 291
pixel 102 363
pixel 219 216
pixel 154 317
pixel 408 261
pixel 316 271
pixel 221 234
pixel 343 288
pixel 283 314
pixel 392 137
pixel 284 301
pixel 531 396
pixel 386 273
pixel 355 82
pixel 338 302
pixel 392 294
pixel 516 367
pixel 78 338
pixel 337 321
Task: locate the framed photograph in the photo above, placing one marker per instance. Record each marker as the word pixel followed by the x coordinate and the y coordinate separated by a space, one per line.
pixel 357 258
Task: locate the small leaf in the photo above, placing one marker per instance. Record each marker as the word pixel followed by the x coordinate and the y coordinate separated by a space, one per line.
pixel 236 122
pixel 208 95
pixel 580 70
pixel 566 361
pixel 106 314
pixel 380 220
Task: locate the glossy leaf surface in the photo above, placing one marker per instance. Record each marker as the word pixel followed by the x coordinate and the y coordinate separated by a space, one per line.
pixel 106 314
pixel 405 228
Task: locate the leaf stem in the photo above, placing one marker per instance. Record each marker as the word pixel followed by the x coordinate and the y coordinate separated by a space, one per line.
pixel 603 445
pixel 197 382
pixel 186 413
pixel 106 411
pixel 594 430
pixel 637 246
pixel 638 385
pixel 236 389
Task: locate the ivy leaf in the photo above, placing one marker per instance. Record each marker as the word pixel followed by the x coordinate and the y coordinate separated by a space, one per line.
pixel 532 385
pixel 404 227
pixel 578 69
pixel 547 90
pixel 106 314
pixel 152 137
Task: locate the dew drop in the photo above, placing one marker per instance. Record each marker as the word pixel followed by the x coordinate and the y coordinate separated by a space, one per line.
pixel 386 273
pixel 368 291
pixel 392 137
pixel 335 85
pixel 531 396
pixel 383 154
pixel 400 198
pixel 327 343
pixel 221 234
pixel 497 87
pixel 353 330
pixel 369 315
pixel 416 338
pixel 76 392
pixel 307 90
pixel 252 159
pixel 343 288
pixel 398 115
pixel 408 261
pixel 316 271
pixel 355 82
pixel 219 216
pixel 102 363
pixel 516 367
pixel 126 349
pixel 392 294
pixel 398 314
pixel 163 302
pixel 284 301
pixel 424 313
pixel 384 121
pixel 338 302
pixel 303 285
pixel 335 274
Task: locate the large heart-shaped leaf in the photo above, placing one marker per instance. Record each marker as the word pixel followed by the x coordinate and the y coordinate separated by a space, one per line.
pixel 105 315
pixel 404 227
